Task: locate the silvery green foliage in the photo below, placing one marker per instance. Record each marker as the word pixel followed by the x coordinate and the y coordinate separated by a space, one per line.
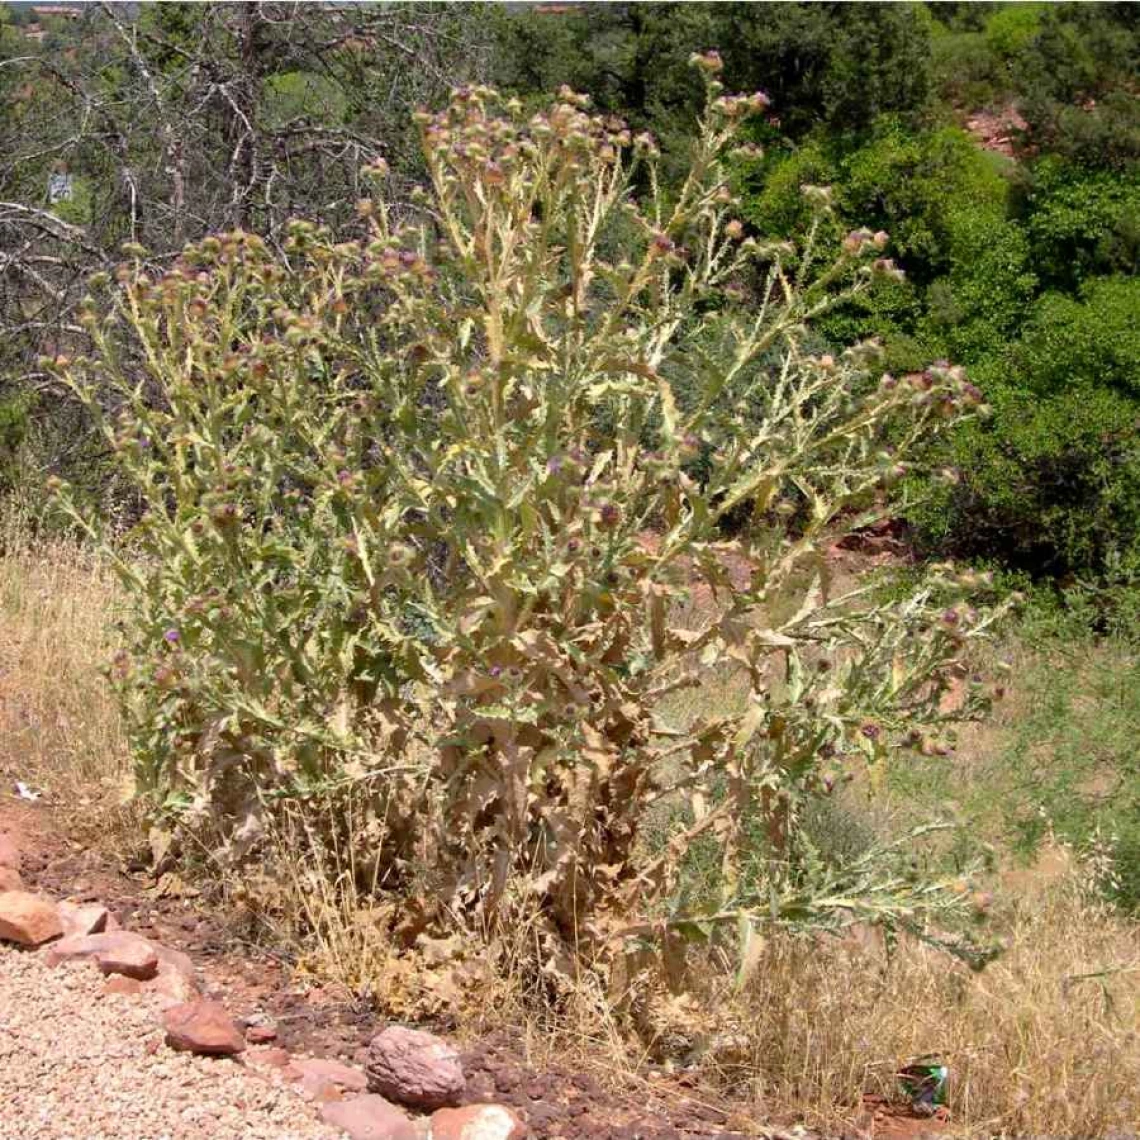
pixel 421 507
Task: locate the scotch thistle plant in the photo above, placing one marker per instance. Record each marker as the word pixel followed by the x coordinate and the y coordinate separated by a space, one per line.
pixel 420 507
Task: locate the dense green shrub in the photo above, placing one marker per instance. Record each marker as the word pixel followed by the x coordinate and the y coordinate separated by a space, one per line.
pixel 1011 28
pixel 1049 484
pixel 418 513
pixel 1082 223
pixel 947 206
pixel 964 69
pixel 13 431
pixel 918 184
pixel 822 64
pixel 1053 480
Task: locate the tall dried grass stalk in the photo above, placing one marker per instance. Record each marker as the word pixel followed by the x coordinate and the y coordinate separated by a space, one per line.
pixel 60 730
pixel 1045 1041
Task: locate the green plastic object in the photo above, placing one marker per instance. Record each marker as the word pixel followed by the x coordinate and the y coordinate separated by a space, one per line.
pixel 924 1082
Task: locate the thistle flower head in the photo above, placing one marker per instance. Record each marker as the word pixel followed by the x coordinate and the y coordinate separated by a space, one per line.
pixel 707 61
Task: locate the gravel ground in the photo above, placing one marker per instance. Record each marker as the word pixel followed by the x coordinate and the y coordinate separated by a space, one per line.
pixel 78 1064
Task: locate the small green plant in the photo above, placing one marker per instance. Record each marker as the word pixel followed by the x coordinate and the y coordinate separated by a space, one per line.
pixel 420 507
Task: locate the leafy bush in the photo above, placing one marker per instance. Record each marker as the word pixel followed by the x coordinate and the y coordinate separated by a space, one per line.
pixel 13 431
pixel 964 69
pixel 1012 28
pixel 916 183
pixel 419 509
pixel 976 309
pixel 1053 480
pixel 1082 223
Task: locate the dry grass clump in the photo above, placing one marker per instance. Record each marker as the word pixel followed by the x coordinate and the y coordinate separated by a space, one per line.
pixel 1044 1041
pixel 60 730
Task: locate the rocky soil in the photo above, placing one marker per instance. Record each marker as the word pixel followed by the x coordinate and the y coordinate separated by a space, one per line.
pixel 130 1013
pixel 126 1013
pixel 80 1063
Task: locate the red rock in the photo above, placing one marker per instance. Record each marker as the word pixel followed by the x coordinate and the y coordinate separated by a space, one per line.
pixel 171 988
pixel 177 961
pixel 117 953
pixel 318 1078
pixel 10 879
pixel 273 1058
pixel 260 1034
pixel 343 1075
pixel 9 852
pixel 202 1027
pixel 28 919
pixel 317 1090
pixel 117 984
pixel 477 1122
pixel 176 981
pixel 415 1068
pixel 369 1118
pixel 82 920
pixel 127 955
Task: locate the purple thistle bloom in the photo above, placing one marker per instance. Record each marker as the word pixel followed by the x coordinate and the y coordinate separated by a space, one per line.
pixel 172 636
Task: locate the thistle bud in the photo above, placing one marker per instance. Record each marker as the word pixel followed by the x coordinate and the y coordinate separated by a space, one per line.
pixel 646 144
pixel 748 151
pixel 885 267
pixel 399 555
pixel 708 61
pixel 609 516
pixel 818 196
